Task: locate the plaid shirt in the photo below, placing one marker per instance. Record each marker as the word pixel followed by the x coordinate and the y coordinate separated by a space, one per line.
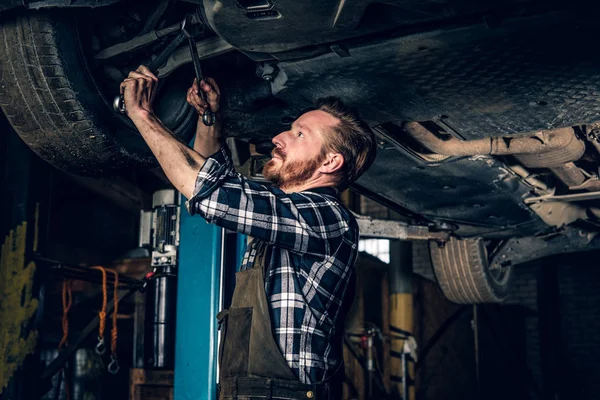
pixel 313 242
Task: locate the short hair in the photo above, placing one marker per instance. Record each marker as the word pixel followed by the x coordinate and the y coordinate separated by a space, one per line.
pixel 351 137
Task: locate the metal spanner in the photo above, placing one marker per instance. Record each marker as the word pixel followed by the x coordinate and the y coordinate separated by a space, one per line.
pixel 163 56
pixel 208 118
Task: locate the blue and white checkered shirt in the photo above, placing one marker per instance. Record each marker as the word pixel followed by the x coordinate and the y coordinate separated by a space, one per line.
pixel 313 242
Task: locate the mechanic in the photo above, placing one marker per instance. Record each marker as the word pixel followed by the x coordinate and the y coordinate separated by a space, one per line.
pixel 283 334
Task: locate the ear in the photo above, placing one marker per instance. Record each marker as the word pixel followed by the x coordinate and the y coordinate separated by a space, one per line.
pixel 333 162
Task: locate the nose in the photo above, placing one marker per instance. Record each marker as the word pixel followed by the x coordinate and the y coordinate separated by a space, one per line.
pixel 278 140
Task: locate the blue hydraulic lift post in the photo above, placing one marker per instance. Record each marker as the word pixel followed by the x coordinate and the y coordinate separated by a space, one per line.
pixel 198 302
pixel 241 249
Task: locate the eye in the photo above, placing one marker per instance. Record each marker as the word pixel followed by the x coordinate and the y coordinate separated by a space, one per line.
pixel 300 134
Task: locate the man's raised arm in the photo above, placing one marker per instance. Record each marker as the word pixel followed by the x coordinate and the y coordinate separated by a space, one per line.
pixel 180 163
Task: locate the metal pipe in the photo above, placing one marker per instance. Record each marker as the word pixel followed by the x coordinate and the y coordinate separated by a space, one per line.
pixel 160 319
pixel 136 43
pixel 540 186
pixel 569 174
pixel 541 142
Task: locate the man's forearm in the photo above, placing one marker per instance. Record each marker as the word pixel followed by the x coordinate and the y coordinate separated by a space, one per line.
pixel 208 138
pixel 180 163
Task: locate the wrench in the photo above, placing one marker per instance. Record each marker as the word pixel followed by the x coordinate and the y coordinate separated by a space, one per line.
pixel 208 118
pixel 119 101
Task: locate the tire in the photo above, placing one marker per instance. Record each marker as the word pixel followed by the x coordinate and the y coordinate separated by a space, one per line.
pixel 462 270
pixel 51 100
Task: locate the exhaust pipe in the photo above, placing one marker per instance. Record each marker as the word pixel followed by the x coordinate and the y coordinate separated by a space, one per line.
pixel 543 149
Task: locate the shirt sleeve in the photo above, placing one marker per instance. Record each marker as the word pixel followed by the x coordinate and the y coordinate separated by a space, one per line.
pixel 304 222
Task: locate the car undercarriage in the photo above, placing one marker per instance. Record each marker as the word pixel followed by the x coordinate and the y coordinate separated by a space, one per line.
pixel 487 114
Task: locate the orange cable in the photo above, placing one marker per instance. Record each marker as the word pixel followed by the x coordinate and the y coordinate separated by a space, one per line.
pixel 114 332
pixel 102 313
pixel 67 302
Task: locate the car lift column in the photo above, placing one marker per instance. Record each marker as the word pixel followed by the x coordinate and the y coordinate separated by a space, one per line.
pixel 198 302
pixel 208 260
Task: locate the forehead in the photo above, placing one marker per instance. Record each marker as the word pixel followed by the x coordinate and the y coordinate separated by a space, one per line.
pixel 317 121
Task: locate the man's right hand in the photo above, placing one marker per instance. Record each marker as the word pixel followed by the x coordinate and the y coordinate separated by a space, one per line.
pixel 211 93
pixel 208 138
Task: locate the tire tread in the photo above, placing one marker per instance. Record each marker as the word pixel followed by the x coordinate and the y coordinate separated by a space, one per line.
pixel 461 269
pixel 40 102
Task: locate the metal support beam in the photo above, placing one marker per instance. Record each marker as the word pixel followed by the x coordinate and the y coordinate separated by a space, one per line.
pixel 198 302
pixel 385 229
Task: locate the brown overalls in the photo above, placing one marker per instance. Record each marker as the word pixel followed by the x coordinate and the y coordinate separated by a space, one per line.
pixel 251 364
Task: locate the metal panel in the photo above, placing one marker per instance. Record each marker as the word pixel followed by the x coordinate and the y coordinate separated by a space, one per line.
pixel 529 74
pixel 198 302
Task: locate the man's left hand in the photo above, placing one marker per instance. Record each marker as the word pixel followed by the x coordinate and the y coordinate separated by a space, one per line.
pixel 139 90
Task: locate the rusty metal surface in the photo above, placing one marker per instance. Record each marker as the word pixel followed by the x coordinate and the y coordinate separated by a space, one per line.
pixel 550 144
pixel 569 174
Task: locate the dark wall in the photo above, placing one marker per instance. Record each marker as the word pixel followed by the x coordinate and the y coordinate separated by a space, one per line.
pixel 77 225
pixel 3 145
pixel 446 367
pixel 579 285
pixel 84 227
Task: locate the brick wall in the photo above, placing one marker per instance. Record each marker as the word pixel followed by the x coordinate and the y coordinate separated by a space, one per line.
pixel 422 261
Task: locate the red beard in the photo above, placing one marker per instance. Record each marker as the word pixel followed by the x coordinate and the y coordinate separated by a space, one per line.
pixel 290 174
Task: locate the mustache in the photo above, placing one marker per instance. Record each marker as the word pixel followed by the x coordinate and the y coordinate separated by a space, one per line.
pixel 279 153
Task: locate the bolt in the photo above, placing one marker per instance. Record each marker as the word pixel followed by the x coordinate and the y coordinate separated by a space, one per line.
pixel 268 77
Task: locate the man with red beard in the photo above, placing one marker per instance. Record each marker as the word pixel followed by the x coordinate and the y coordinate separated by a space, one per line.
pixel 282 336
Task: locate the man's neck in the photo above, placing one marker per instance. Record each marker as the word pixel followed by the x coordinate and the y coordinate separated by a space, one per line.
pixel 308 186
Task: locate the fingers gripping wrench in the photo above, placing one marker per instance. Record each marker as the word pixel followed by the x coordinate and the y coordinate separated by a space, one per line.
pixel 208 118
